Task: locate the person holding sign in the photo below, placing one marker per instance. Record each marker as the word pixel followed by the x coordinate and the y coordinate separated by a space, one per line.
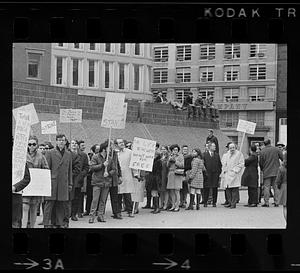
pixel 232 171
pixel 100 182
pixel 35 159
pixel 60 163
pixel 175 176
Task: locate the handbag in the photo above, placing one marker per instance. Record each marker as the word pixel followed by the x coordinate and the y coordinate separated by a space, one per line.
pixel 179 172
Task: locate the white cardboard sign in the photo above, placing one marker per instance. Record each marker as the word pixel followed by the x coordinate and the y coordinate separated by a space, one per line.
pixel 246 126
pixel 114 111
pixel 20 144
pixel 27 108
pixel 142 156
pixel 70 116
pixel 40 183
pixel 48 127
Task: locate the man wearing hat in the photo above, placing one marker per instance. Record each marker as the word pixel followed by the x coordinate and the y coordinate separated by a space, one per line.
pixel 213 139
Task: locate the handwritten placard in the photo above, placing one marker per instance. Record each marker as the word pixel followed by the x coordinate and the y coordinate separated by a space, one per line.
pixel 142 156
pixel 48 127
pixel 114 111
pixel 20 144
pixel 70 116
pixel 246 126
pixel 27 108
pixel 40 183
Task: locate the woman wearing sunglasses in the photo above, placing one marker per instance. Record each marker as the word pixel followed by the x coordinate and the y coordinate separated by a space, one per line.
pixel 35 159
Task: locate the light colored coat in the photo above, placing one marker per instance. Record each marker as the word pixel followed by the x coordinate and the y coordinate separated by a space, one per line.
pixel 232 170
pixel 127 185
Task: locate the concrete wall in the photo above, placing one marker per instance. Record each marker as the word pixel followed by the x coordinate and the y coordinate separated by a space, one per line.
pixel 50 99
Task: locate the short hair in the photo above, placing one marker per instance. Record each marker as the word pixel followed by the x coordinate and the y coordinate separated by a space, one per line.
pixel 184 145
pixel 49 144
pixel 174 146
pixel 116 140
pixel 42 144
pixel 211 130
pixel 267 142
pixel 60 136
pixel 157 145
pixel 103 146
pixel 232 143
pixel 93 148
pixel 34 138
pixel 211 143
pixel 80 141
pixel 227 145
pixel 253 148
pixel 74 140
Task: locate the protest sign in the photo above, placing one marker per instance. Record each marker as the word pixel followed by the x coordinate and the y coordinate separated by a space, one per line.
pixel 70 116
pixel 48 127
pixel 114 111
pixel 20 144
pixel 40 183
pixel 246 126
pixel 27 108
pixel 142 155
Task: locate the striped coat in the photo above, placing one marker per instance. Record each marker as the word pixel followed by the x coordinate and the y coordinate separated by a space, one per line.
pixel 196 173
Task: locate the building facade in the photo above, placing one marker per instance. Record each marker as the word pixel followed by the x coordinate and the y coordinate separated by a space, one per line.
pixel 281 101
pixel 31 62
pixel 96 68
pixel 242 78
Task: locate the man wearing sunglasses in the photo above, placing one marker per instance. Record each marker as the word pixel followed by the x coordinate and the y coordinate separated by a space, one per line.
pixel 60 163
pixel 35 159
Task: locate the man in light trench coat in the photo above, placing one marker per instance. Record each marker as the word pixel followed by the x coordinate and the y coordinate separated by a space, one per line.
pixel 232 170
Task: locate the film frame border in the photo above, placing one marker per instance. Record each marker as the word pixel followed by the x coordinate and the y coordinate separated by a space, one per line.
pixel 218 241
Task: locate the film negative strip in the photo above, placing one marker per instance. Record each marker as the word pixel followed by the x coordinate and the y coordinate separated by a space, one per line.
pixel 246 54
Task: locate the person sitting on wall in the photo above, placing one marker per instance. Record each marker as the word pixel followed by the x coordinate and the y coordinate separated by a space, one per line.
pixel 199 106
pixel 188 102
pixel 160 98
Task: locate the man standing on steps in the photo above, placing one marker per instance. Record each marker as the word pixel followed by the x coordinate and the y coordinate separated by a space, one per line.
pixel 213 139
pixel 269 164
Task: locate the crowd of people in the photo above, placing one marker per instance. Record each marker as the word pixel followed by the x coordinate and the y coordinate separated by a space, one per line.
pixel 81 182
pixel 200 108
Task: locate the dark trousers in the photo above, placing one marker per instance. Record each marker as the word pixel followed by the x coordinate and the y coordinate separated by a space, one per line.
pixel 127 201
pixel 89 195
pixel 232 195
pixel 54 212
pixel 68 210
pixel 76 201
pixel 17 210
pixel 268 182
pixel 183 192
pixel 206 195
pixel 113 192
pixel 252 195
pixel 149 197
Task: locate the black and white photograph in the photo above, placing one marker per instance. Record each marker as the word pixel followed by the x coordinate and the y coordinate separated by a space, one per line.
pixel 149 135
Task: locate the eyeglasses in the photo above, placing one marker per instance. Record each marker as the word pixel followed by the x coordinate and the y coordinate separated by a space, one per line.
pixel 32 144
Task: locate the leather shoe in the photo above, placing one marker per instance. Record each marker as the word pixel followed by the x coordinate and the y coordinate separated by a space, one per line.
pixel 146 207
pixel 74 218
pixel 176 210
pixel 86 214
pixel 227 206
pixel 91 220
pixel 247 205
pixel 80 215
pixel 205 205
pixel 276 205
pixel 265 205
pixel 232 207
pixel 214 205
pixel 100 218
pixel 225 203
pixel 252 205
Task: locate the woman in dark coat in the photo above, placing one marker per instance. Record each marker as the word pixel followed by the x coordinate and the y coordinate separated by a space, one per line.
pixel 154 181
pixel 250 177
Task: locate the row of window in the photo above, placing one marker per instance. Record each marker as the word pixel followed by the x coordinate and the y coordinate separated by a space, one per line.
pixel 122 48
pixel 208 52
pixel 91 68
pixel 231 118
pixel 229 94
pixel 231 73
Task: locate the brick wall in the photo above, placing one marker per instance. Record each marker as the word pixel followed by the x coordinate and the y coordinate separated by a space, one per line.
pixel 49 99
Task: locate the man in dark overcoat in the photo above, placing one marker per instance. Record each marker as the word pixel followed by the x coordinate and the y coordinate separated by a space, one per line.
pixel 213 166
pixel 269 164
pixel 60 163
